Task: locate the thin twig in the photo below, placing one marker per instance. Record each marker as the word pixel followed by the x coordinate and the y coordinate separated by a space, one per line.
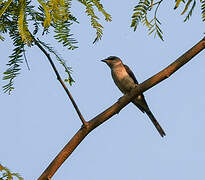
pixel 24 54
pixel 158 4
pixel 150 7
pixel 85 123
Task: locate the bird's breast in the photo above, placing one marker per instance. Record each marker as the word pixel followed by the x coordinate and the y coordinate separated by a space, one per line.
pixel 122 79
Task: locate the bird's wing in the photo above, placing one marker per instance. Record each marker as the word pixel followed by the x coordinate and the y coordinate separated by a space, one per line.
pixel 131 74
pixel 141 102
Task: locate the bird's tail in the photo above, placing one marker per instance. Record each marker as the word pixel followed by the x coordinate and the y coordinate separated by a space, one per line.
pixel 156 124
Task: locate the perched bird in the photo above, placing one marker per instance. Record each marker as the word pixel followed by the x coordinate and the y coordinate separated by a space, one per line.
pixel 125 81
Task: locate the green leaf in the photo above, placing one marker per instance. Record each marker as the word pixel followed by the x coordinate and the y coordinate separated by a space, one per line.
pixel 140 12
pixel 152 1
pixel 15 58
pixel 5 7
pixel 186 7
pixel 48 19
pixel 8 175
pixel 177 4
pixel 160 35
pixel 151 31
pixel 203 10
pixel 146 22
pixel 101 9
pixel 2 38
pixel 93 18
pixel 190 12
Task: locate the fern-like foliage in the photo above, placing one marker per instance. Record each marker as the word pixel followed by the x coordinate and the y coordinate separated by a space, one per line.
pixel 140 15
pixel 22 23
pixel 63 35
pixel 101 9
pixel 18 17
pixel 188 5
pixel 57 14
pixel 190 11
pixel 6 174
pixel 62 23
pixel 47 20
pixel 9 24
pixel 203 9
pixel 144 8
pixel 140 12
pixel 14 62
pixel 89 4
pixel 177 2
pixel 155 29
pixel 67 69
pixel 5 7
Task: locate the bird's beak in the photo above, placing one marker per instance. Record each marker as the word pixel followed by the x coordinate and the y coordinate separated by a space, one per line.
pixel 104 60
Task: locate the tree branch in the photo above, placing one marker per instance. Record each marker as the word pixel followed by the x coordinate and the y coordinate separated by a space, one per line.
pixel 115 108
pixel 61 81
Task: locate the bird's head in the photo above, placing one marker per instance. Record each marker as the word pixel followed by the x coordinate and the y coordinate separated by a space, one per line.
pixel 112 61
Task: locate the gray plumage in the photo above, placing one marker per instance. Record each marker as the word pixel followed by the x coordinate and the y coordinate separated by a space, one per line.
pixel 125 80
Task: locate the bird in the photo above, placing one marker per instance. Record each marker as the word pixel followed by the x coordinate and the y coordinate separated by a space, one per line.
pixel 125 80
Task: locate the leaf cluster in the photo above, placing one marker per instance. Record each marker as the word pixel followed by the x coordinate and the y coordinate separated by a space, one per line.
pixel 189 6
pixel 22 21
pixel 203 9
pixel 6 174
pixel 140 15
pixel 9 24
pixel 144 8
pixel 89 6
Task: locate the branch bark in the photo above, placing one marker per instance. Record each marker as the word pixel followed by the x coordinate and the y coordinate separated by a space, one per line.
pixel 115 108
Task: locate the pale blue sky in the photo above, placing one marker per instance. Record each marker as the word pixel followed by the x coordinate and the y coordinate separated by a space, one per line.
pixel 37 120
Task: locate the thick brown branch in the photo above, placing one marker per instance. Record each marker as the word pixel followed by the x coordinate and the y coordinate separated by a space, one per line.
pixel 61 81
pixel 101 118
pixel 173 67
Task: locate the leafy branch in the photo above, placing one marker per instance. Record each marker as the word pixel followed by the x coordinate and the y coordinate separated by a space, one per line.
pixel 63 35
pixel 6 174
pixel 189 3
pixel 203 9
pixel 140 12
pixel 16 17
pixel 190 11
pixel 144 8
pixel 22 23
pixel 93 18
pixel 16 57
pixel 140 15
pixel 68 70
pixel 154 24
